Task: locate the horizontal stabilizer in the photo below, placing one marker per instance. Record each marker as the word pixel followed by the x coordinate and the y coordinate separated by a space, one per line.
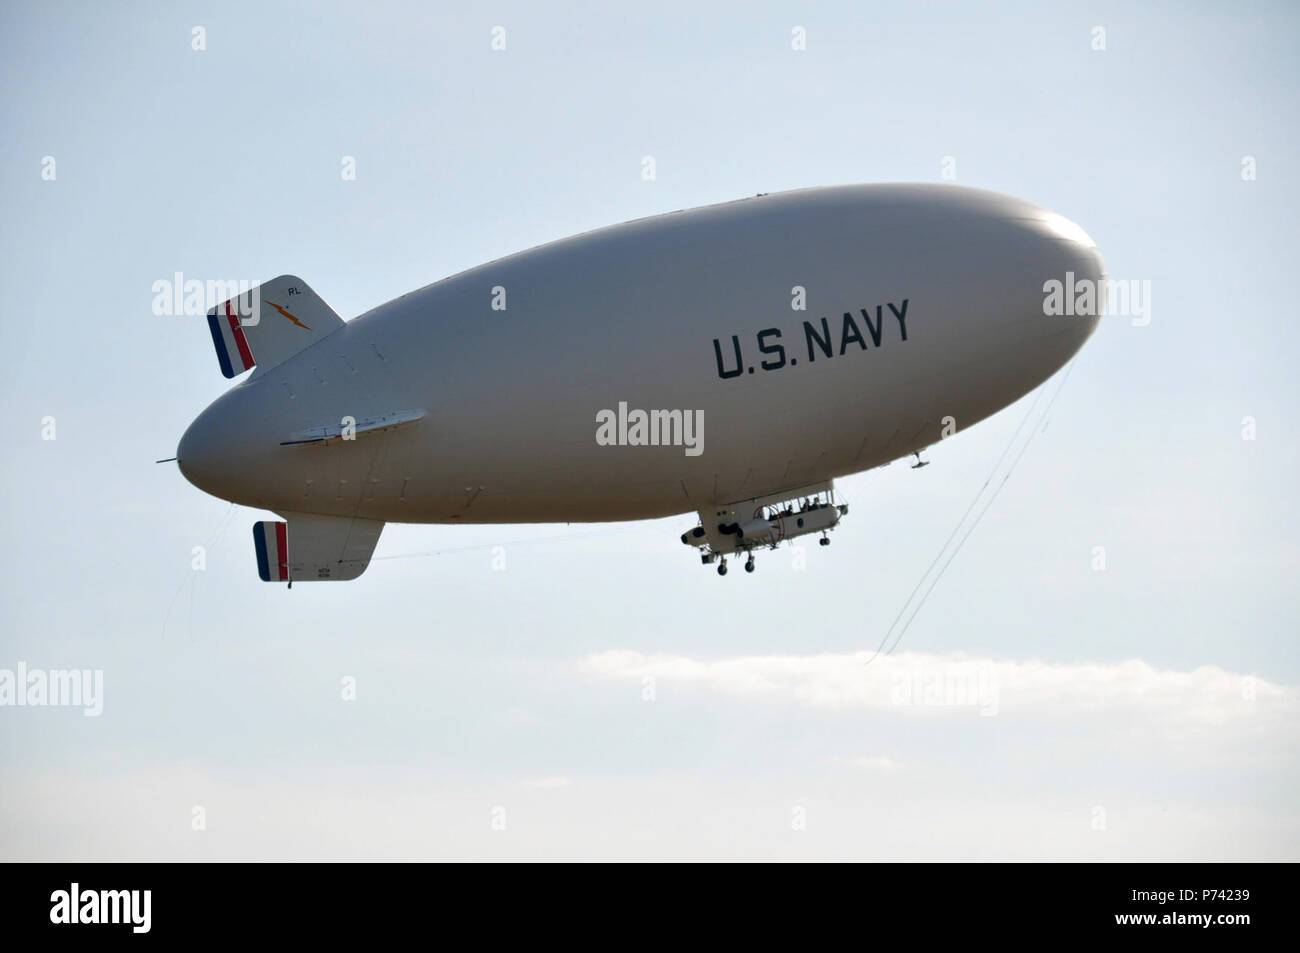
pixel 306 547
pixel 269 324
pixel 354 427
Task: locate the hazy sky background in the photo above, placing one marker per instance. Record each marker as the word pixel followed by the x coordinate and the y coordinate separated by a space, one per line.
pixel 1159 695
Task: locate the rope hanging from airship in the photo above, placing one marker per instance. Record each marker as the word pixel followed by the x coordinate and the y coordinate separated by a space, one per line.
pixel 1038 428
pixel 191 577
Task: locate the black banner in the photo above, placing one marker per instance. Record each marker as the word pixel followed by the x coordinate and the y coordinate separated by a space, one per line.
pixel 973 902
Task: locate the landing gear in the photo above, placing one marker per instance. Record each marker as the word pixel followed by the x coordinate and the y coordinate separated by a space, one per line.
pixel 722 567
pixel 749 564
pixel 824 541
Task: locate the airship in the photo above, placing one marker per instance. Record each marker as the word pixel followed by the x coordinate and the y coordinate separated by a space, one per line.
pixel 730 361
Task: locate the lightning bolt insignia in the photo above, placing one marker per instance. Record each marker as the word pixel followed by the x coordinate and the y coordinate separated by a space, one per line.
pixel 288 315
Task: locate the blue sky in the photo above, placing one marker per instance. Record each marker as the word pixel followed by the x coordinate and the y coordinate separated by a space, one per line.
pixel 1162 691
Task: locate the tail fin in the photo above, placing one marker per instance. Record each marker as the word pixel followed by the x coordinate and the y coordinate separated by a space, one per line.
pixel 308 547
pixel 269 324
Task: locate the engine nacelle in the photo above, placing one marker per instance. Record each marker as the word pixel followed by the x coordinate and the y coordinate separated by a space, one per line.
pixel 809 521
pixel 759 531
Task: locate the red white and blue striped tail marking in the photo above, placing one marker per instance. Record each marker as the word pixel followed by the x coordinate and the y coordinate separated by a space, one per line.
pixel 272 542
pixel 233 351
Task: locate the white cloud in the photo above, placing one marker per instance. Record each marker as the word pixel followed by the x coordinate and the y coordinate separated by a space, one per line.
pixel 917 684
pixel 873 776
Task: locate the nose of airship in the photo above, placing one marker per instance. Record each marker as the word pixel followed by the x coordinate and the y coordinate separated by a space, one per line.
pixel 1033 286
pixel 196 453
pixel 1051 283
pixel 209 451
pixel 1075 288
